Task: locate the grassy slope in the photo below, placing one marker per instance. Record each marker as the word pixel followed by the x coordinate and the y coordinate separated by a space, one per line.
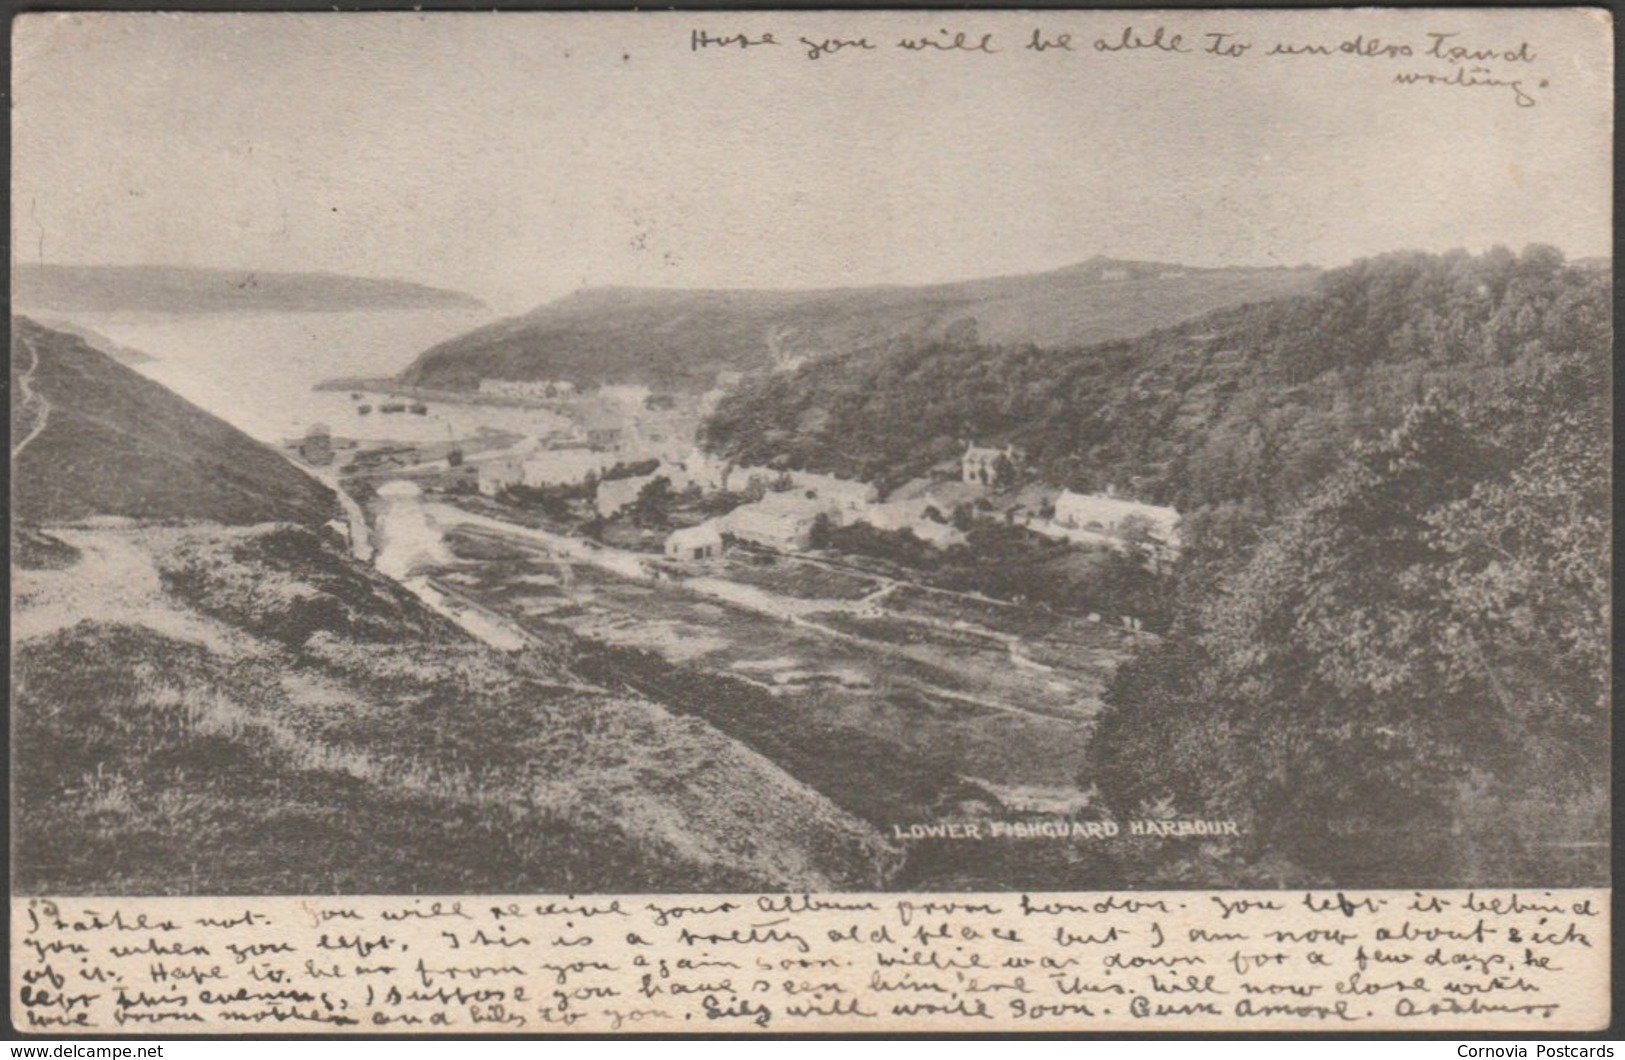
pixel 116 443
pixel 266 716
pixel 125 355
pixel 681 339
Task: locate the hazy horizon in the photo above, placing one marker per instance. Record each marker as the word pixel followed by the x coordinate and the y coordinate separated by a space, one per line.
pixel 676 287
pixel 519 157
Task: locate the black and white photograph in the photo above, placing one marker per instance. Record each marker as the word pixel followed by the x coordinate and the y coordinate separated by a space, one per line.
pixel 810 452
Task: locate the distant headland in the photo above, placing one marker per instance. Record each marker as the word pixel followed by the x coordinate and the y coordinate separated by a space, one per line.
pixel 183 289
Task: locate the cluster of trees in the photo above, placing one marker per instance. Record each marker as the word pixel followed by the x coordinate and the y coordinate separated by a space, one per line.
pixel 555 502
pixel 1012 563
pixel 629 469
pixel 1405 674
pixel 1387 648
pixel 1249 406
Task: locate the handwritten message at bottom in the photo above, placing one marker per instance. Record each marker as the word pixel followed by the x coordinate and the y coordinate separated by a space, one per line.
pixel 1171 961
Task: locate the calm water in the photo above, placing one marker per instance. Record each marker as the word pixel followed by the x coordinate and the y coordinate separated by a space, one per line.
pixel 257 370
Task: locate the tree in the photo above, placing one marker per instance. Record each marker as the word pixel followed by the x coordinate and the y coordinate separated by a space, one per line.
pixel 1529 579
pixel 1004 471
pixel 818 535
pixel 651 509
pixel 1333 723
pixel 1431 622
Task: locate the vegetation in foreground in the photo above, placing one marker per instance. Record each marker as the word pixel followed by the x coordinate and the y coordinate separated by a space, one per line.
pixel 214 709
pixel 295 723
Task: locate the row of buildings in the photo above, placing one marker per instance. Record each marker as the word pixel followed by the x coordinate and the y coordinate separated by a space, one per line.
pixel 629 395
pixel 1107 519
pixel 538 463
pixel 791 502
pixel 785 521
pixel 794 501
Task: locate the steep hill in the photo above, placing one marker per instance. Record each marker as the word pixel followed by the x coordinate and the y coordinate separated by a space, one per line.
pixel 1248 404
pixel 178 289
pixel 680 339
pixel 1387 655
pixel 91 437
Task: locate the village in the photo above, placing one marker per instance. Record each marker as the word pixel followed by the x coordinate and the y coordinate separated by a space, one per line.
pixel 619 464
pixel 833 597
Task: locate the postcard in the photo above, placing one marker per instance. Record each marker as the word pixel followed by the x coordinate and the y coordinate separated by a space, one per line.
pixel 796 521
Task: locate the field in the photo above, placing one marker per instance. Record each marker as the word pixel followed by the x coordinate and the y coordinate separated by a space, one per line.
pixel 927 692
pixel 804 580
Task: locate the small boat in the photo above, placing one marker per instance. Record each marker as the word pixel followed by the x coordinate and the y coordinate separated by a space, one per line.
pixel 364 409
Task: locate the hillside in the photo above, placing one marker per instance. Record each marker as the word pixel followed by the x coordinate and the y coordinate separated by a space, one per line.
pixel 680 339
pixel 210 696
pixel 1409 666
pixel 121 353
pixel 1249 404
pixel 91 437
pixel 176 289
pixel 208 710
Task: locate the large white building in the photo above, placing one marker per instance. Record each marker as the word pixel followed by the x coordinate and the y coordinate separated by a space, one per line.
pixel 782 521
pixel 840 497
pixel 788 528
pixel 1091 516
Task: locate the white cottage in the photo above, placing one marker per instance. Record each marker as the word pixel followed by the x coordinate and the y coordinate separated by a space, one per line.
pixel 693 544
pixel 911 515
pixel 985 465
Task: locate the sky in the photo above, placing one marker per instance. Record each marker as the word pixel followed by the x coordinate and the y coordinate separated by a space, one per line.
pixel 520 156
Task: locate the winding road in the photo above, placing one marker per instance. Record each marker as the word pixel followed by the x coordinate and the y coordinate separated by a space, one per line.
pixel 25 387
